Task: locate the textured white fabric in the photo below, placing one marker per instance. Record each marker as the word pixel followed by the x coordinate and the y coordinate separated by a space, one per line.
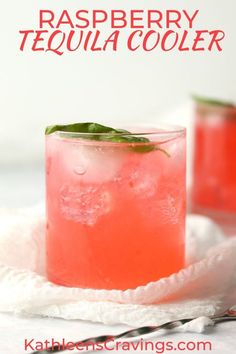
pixel 205 287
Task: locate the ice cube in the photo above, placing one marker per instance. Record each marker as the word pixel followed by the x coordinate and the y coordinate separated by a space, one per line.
pixel 93 164
pixel 143 184
pixel 158 198
pixel 84 204
pixel 168 210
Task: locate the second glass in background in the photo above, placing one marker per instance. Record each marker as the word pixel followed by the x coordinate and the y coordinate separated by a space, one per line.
pixel 214 165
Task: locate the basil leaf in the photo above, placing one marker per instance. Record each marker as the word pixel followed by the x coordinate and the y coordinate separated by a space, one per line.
pixel 96 131
pixel 93 128
pixel 131 140
pixel 212 102
pixel 134 140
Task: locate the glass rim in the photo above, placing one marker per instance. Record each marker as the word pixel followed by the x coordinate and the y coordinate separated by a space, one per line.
pixel 214 107
pixel 157 130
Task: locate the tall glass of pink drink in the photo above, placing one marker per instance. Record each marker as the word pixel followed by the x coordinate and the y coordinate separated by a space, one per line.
pixel 214 167
pixel 115 215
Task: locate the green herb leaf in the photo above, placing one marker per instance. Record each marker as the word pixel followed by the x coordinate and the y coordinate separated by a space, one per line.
pixel 103 133
pixel 92 128
pixel 212 102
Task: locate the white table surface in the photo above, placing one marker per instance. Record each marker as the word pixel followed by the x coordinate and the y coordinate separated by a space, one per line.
pixel 25 187
pixel 14 330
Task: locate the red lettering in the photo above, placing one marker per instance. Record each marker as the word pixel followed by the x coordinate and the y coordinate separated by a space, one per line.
pixel 190 19
pixel 69 40
pixel 154 20
pixel 131 38
pixel 25 36
pixel 65 19
pixel 51 39
pixel 96 19
pixel 181 46
pixel 165 38
pixel 28 345
pixel 39 346
pixel 37 39
pixel 217 36
pixel 79 346
pixel 198 39
pixel 43 20
pixel 86 42
pixel 118 16
pixel 46 344
pixel 70 346
pixel 176 20
pixel 146 38
pixel 134 18
pixel 80 18
pixel 93 46
pixel 113 39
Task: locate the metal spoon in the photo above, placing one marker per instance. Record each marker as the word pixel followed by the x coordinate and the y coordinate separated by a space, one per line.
pixel 229 315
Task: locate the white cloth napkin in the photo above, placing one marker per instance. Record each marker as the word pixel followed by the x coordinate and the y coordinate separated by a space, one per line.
pixel 207 285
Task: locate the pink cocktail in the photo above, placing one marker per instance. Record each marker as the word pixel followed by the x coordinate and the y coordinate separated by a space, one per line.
pixel 115 215
pixel 214 167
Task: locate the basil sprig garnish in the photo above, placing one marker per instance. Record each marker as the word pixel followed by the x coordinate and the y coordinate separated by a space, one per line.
pixel 212 102
pixel 101 132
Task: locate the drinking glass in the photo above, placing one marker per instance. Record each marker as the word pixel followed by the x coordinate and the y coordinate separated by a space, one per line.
pixel 214 167
pixel 115 211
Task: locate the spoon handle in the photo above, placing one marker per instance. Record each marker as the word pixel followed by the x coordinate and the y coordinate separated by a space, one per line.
pixel 229 315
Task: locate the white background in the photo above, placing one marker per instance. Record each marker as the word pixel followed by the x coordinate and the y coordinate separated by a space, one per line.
pixel 38 89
